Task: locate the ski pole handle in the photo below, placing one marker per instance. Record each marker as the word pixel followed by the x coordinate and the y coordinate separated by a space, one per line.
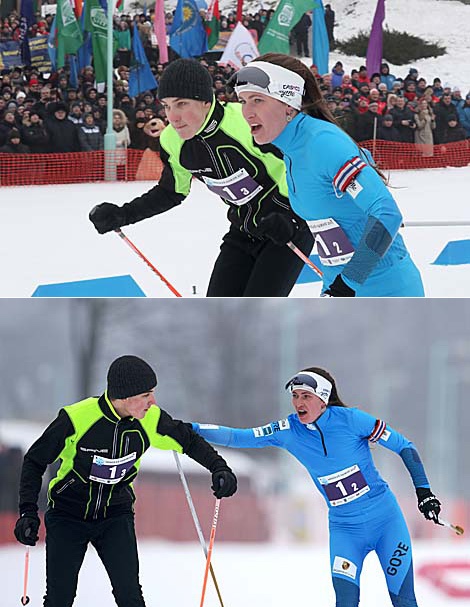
pixel 25 598
pixel 457 528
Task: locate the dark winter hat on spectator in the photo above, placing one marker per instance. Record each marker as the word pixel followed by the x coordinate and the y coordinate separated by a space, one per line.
pixel 60 107
pixel 388 117
pixel 128 376
pixel 187 79
pixel 14 134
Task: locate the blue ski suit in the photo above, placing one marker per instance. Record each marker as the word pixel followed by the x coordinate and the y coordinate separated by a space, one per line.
pixel 363 512
pixel 349 209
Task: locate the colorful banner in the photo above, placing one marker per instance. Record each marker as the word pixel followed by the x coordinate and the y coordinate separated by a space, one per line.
pixel 40 54
pixel 188 37
pixel 10 55
pixel 96 24
pixel 213 24
pixel 320 45
pixel 275 38
pixel 240 49
pixel 239 10
pixel 159 28
pixel 140 77
pixel 375 46
pixel 69 36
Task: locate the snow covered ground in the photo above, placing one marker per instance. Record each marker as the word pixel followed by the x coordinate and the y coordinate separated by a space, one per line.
pixel 248 575
pixel 48 238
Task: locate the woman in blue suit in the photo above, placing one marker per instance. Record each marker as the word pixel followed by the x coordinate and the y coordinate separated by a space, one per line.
pixel 332 182
pixel 333 442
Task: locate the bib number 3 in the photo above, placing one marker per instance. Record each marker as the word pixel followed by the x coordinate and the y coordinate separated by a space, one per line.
pixel 110 471
pixel 238 188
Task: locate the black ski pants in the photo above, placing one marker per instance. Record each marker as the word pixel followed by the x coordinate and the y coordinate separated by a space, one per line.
pixel 247 267
pixel 114 539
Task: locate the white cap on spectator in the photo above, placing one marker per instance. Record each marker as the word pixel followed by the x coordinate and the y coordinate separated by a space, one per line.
pixel 20 94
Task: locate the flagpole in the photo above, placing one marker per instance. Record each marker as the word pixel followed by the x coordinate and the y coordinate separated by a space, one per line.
pixel 110 136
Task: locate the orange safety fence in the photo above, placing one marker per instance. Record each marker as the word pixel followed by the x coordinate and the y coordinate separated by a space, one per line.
pixel 392 155
pixel 132 165
pixel 79 167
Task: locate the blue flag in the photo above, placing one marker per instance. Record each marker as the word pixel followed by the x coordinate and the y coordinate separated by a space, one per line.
pixel 73 64
pixel 85 52
pixel 24 42
pixel 320 46
pixel 140 78
pixel 27 11
pixel 188 35
pixel 51 47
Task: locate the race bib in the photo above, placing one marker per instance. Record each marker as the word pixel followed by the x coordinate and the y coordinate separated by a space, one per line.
pixel 333 246
pixel 238 188
pixel 344 486
pixel 110 471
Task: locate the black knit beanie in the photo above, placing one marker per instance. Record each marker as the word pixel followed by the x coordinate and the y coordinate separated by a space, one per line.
pixel 129 376
pixel 187 79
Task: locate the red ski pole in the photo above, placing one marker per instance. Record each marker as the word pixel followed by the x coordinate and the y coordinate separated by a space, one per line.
pixel 209 550
pixel 150 265
pixel 304 258
pixel 25 598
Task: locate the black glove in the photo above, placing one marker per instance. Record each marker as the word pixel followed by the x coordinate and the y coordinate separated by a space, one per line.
pixel 278 227
pixel 26 528
pixel 428 504
pixel 107 217
pixel 339 288
pixel 224 483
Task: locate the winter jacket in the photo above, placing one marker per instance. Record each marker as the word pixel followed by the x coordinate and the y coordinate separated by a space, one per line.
pixel 99 457
pixel 443 112
pixel 11 148
pixel 90 138
pixel 464 117
pixel 406 130
pixel 425 124
pixel 388 133
pixel 453 133
pixel 36 137
pixel 63 136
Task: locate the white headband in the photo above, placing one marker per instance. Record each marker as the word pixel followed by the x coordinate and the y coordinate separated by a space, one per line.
pixel 280 84
pixel 311 382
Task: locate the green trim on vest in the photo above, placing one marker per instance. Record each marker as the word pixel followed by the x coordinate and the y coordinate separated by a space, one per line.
pixel 150 423
pixel 236 127
pixel 82 415
pixel 172 143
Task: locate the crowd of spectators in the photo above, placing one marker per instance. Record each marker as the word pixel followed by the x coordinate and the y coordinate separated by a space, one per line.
pixel 44 113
